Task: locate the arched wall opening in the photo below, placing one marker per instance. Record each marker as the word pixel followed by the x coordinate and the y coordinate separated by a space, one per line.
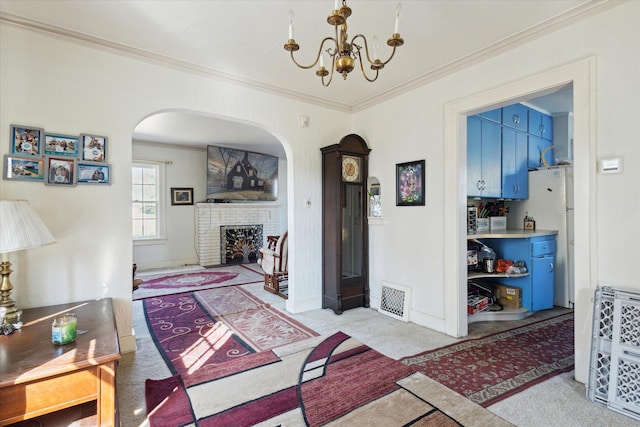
pixel 177 141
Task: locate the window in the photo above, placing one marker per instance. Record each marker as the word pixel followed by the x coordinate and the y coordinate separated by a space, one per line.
pixel 146 203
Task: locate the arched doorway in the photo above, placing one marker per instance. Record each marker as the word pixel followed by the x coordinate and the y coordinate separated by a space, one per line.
pixel 176 141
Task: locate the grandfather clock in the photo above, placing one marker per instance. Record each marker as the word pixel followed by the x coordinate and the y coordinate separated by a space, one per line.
pixel 345 260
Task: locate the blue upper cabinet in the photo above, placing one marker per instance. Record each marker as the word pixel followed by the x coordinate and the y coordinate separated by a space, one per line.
pixel 515 178
pixel 515 116
pixel 502 145
pixel 538 148
pixel 484 158
pixel 493 115
pixel 540 140
pixel 540 124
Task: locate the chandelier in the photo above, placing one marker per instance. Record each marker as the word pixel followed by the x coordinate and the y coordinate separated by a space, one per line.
pixel 345 53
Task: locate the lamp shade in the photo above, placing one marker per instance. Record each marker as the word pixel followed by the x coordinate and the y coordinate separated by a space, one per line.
pixel 21 227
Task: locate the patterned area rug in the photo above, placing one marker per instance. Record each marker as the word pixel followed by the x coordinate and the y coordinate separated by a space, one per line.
pixel 336 380
pixel 196 332
pixel 166 284
pixel 489 369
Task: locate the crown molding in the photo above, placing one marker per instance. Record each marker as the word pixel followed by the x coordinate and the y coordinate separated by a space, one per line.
pixel 577 14
pixel 141 54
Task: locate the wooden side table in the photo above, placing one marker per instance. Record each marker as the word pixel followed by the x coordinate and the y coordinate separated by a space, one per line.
pixel 38 377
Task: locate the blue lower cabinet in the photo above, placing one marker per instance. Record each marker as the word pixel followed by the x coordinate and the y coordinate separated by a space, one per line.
pixel 542 277
pixel 538 253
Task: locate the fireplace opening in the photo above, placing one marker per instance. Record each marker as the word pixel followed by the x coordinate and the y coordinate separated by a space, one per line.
pixel 240 244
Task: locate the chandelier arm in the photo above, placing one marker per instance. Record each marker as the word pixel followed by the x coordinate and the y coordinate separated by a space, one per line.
pixel 333 67
pixel 364 73
pixel 393 52
pixel 366 48
pixel 306 67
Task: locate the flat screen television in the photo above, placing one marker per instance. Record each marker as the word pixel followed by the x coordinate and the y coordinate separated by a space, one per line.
pixel 239 175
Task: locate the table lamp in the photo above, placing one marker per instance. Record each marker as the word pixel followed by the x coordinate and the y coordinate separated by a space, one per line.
pixel 20 228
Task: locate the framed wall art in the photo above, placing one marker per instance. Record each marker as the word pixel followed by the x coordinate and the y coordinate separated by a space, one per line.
pixel 23 168
pixel 60 145
pixel 93 148
pixel 410 183
pixel 60 171
pixel 26 140
pixel 93 173
pixel 181 196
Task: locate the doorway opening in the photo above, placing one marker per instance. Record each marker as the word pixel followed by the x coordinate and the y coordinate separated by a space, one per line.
pixel 581 75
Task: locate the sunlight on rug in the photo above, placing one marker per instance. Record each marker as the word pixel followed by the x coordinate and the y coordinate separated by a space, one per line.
pixel 196 332
pixel 331 381
pixel 489 369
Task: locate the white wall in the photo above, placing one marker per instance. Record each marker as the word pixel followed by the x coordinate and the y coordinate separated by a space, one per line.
pixel 93 257
pixel 415 127
pixel 183 167
pixel 52 83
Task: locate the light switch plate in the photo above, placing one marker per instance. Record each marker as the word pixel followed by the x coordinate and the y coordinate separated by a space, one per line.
pixel 610 165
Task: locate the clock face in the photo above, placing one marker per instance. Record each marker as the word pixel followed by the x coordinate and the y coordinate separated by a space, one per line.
pixel 350 168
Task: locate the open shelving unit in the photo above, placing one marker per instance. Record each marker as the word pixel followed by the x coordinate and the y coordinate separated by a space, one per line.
pixel 504 314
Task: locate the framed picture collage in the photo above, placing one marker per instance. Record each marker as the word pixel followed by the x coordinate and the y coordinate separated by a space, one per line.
pixel 56 159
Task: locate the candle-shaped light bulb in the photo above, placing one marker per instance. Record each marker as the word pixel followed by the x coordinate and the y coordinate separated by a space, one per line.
pixel 375 47
pixel 321 59
pixel 337 5
pixel 397 26
pixel 290 24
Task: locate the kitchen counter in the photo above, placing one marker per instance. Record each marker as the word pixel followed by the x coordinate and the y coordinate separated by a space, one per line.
pixel 510 234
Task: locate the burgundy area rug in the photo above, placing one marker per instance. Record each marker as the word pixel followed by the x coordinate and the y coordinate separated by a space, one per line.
pixel 196 280
pixel 197 332
pixel 336 380
pixel 489 369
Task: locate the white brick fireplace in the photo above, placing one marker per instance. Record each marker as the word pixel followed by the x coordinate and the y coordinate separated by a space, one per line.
pixel 210 216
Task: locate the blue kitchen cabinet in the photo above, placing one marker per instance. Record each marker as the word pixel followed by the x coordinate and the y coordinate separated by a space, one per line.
pixel 540 124
pixel 515 116
pixel 538 253
pixel 540 130
pixel 515 178
pixel 493 115
pixel 536 147
pixel 484 158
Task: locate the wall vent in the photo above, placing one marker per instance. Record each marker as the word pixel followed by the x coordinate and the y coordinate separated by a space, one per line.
pixel 395 301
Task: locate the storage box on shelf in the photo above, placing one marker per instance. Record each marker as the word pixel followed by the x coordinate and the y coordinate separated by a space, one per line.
pixel 508 296
pixel 497 223
pixel 476 304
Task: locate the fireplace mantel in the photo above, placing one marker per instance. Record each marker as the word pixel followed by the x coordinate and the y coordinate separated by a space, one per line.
pixel 210 216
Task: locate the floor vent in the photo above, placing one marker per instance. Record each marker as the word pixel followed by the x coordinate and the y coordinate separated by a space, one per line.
pixel 394 301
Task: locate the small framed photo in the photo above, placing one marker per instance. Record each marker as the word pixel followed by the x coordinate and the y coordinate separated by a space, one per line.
pixel 93 148
pixel 60 171
pixel 181 196
pixel 410 183
pixel 22 168
pixel 60 145
pixel 92 173
pixel 25 140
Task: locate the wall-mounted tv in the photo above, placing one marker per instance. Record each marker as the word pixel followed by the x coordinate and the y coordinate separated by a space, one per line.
pixel 240 175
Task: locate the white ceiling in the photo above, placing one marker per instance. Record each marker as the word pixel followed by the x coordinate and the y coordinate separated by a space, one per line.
pixel 243 41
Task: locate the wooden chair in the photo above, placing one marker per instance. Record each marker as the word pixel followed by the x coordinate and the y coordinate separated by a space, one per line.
pixel 273 260
pixel 136 282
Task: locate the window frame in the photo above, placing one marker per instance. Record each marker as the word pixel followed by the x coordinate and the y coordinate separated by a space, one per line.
pixel 161 210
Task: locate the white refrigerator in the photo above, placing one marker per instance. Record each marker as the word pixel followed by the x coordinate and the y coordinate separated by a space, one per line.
pixel 550 203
